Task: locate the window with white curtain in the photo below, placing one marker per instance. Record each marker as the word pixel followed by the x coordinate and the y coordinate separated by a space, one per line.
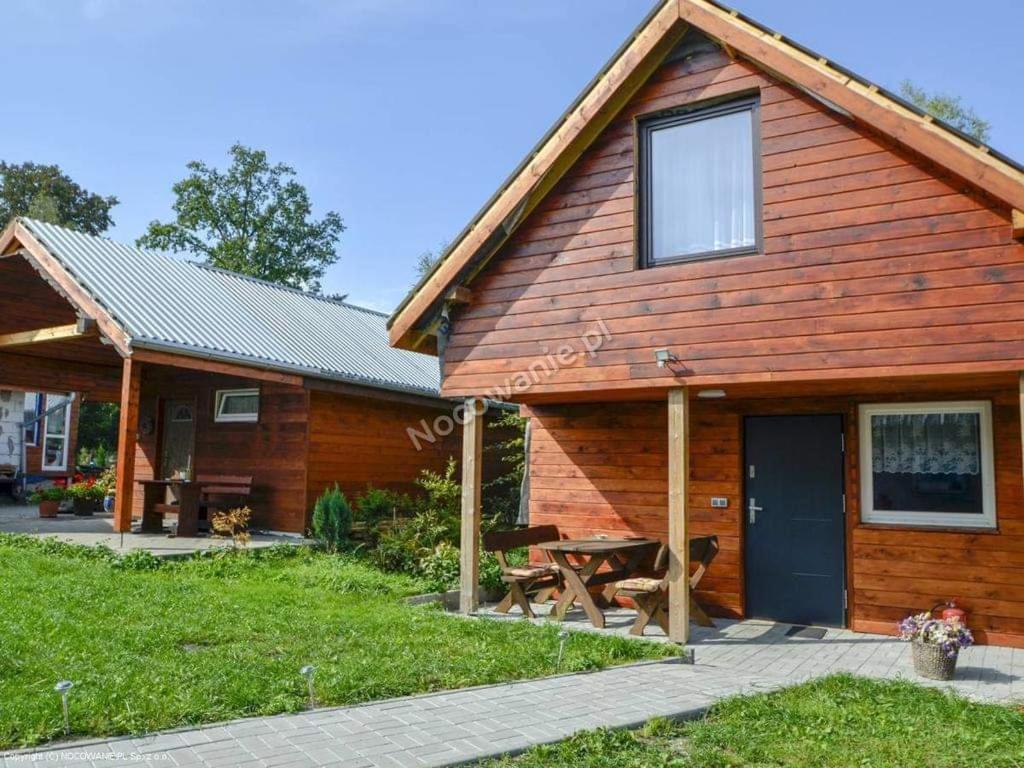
pixel 699 184
pixel 928 464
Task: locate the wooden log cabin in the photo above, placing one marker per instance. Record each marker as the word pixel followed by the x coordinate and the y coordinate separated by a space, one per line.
pixel 218 374
pixel 739 290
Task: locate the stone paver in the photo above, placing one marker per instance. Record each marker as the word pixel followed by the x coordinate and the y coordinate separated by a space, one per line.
pixel 984 673
pixel 456 727
pixel 99 530
pixel 431 730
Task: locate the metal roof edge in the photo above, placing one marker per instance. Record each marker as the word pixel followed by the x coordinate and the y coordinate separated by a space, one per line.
pixel 187 350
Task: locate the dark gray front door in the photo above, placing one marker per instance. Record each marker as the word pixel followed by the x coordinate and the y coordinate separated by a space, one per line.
pixel 795 532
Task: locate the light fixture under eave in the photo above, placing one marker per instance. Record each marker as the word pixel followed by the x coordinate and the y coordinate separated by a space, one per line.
pixel 711 394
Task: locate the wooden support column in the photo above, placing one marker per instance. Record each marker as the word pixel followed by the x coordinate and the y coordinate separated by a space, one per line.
pixel 127 437
pixel 1020 384
pixel 678 542
pixel 469 547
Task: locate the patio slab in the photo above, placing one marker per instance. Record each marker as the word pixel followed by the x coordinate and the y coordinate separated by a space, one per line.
pixel 763 648
pixel 99 530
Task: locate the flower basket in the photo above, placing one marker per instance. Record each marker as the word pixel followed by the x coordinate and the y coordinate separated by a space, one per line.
pixel 936 643
pixel 48 499
pixel 86 507
pixel 49 508
pixel 932 662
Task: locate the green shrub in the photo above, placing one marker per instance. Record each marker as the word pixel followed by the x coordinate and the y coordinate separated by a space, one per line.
pixel 442 497
pixel 440 568
pixel 53 493
pixel 378 509
pixel 404 545
pixel 332 519
pixel 138 560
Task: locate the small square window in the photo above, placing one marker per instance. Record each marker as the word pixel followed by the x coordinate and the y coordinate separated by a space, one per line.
pixel 928 464
pixel 700 184
pixel 237 405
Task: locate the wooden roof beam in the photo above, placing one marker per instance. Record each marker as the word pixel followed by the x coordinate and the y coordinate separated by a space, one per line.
pixel 861 99
pixel 1017 224
pixel 567 142
pixel 84 328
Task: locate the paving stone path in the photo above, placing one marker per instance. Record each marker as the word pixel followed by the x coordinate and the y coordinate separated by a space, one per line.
pixel 431 730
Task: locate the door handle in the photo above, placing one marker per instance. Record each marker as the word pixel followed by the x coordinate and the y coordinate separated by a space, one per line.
pixel 752 510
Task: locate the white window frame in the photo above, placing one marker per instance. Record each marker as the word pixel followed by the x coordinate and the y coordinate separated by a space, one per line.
pixel 869 514
pixel 36 426
pixel 224 395
pixel 66 436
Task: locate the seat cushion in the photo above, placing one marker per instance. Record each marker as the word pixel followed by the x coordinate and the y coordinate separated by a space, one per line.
pixel 639 584
pixel 532 571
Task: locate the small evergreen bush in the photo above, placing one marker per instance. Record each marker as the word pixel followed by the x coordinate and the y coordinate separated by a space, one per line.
pixel 332 519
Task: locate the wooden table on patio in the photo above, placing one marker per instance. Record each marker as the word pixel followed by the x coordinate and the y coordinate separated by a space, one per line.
pixel 154 508
pixel 624 556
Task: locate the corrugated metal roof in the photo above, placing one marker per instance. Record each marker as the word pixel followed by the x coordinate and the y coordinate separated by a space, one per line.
pixel 170 304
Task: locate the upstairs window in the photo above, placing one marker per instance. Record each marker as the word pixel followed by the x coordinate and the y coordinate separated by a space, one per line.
pixel 237 405
pixel 700 184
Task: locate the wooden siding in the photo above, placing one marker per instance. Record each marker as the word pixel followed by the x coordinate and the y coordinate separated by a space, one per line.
pixel 273 450
pixel 356 442
pixel 601 468
pixel 874 263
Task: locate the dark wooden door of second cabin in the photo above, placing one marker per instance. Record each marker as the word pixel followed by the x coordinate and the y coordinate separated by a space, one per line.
pixel 794 517
pixel 178 440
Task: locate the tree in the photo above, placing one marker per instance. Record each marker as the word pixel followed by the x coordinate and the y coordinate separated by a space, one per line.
pixel 253 218
pixel 950 109
pixel 45 192
pixel 427 260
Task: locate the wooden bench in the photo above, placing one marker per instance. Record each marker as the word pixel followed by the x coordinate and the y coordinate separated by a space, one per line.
pixel 650 593
pixel 539 579
pixel 222 492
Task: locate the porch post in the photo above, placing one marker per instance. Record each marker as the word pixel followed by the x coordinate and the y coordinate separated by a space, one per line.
pixel 1020 384
pixel 127 436
pixel 469 550
pixel 678 485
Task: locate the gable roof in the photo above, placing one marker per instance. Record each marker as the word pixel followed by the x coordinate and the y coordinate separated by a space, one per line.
pixel 162 303
pixel 625 73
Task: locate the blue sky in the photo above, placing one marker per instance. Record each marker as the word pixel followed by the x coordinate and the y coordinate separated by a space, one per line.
pixel 402 115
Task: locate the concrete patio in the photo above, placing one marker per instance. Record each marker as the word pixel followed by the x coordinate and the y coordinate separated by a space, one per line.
pixel 764 649
pixel 99 530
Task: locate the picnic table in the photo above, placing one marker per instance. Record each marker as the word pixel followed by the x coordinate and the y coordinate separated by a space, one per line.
pixel 623 557
pixel 154 506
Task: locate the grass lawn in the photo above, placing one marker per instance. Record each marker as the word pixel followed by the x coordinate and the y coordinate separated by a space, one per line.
pixel 221 637
pixel 837 722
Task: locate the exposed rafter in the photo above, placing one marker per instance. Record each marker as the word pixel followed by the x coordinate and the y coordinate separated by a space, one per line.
pixel 84 328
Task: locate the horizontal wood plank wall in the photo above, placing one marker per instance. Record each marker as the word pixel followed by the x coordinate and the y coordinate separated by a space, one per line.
pixel 873 261
pixel 602 468
pixel 272 450
pixel 356 442
pixel 896 571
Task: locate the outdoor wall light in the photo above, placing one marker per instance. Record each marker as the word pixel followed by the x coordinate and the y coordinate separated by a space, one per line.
pixel 711 394
pixel 664 357
pixel 562 637
pixel 64 688
pixel 308 672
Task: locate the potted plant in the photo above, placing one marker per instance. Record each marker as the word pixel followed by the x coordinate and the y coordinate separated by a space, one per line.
pixel 86 497
pixel 48 499
pixel 936 643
